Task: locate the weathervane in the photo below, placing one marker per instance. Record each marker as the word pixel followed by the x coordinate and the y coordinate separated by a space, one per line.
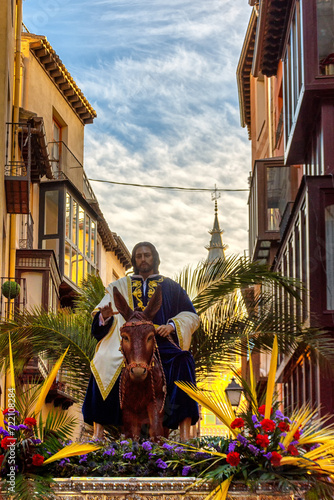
pixel 215 194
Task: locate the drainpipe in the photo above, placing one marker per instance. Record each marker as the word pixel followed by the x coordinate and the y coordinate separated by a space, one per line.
pixel 16 108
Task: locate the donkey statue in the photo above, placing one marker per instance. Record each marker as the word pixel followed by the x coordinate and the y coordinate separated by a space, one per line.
pixel 142 390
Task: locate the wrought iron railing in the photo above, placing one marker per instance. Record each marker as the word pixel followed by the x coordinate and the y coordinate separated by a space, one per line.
pixel 26 232
pixel 18 150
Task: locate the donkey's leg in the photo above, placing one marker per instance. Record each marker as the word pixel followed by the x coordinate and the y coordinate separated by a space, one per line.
pixel 155 418
pixel 131 425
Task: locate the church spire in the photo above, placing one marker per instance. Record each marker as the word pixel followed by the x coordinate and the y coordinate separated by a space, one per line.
pixel 216 247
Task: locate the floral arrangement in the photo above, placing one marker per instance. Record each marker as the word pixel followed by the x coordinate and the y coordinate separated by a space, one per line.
pixel 28 444
pixel 266 445
pixel 127 458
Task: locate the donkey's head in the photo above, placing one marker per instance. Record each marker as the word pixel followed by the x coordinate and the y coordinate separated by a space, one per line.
pixel 138 334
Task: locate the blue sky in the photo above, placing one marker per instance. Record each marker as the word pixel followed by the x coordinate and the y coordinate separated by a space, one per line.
pixel 161 76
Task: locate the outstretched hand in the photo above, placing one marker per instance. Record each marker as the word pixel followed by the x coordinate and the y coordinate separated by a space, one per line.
pixel 107 311
pixel 165 330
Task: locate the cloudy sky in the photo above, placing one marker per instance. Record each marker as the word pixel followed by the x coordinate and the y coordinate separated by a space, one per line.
pixel 161 76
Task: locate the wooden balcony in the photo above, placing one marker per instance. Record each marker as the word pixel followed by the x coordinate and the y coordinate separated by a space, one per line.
pixel 271 190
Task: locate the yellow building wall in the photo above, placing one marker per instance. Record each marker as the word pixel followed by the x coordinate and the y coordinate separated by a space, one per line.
pixel 41 96
pixel 7 50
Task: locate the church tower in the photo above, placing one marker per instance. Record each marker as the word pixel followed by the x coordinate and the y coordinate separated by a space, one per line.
pixel 216 247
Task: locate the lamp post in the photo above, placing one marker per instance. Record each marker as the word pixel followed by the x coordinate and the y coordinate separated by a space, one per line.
pixel 233 392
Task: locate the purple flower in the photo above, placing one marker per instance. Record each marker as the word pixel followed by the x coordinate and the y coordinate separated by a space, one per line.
pixel 161 464
pixel 179 449
pixel 283 434
pixel 254 419
pixel 186 469
pixel 151 455
pixel 281 445
pixel 168 446
pixel 242 440
pixel 36 441
pixel 124 442
pixel 253 449
pixel 279 415
pixel 295 443
pixel 268 455
pixel 83 459
pixel 129 456
pixel 147 446
pixel 14 427
pixel 315 446
pixel 109 452
pixel 23 427
pixel 63 462
pixel 4 432
pixel 231 446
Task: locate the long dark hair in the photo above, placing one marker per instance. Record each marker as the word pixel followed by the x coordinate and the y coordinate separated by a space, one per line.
pixel 156 258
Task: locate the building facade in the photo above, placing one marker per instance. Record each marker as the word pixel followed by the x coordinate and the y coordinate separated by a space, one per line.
pixel 286 91
pixel 53 232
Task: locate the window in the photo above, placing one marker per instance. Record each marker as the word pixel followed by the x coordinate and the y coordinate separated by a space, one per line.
pixel 293 71
pixel 80 241
pixel 329 231
pixel 51 210
pixel 56 146
pixel 278 194
pixel 325 31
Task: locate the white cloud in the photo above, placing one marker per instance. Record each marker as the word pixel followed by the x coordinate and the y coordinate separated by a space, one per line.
pixel 162 79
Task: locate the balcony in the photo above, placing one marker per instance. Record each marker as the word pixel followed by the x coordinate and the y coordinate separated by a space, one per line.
pixel 17 167
pixel 40 269
pixel 271 189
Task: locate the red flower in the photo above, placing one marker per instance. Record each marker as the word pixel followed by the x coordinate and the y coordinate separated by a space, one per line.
pixel 275 459
pixel 233 458
pixel 7 441
pixel 296 435
pixel 237 423
pixel 37 459
pixel 262 410
pixel 1 459
pixel 284 426
pixel 292 450
pixel 30 421
pixel 268 425
pixel 262 440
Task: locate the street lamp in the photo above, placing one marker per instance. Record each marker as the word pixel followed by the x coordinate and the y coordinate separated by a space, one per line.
pixel 233 392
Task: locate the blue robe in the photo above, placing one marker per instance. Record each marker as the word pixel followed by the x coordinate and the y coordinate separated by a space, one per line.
pixel 177 364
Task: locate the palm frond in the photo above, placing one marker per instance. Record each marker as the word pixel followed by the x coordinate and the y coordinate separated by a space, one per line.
pixel 271 379
pixel 72 450
pixel 220 492
pixel 48 382
pixel 215 401
pixel 11 364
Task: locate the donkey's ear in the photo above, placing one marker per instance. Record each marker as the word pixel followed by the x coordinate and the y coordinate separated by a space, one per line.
pixel 154 304
pixel 122 306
